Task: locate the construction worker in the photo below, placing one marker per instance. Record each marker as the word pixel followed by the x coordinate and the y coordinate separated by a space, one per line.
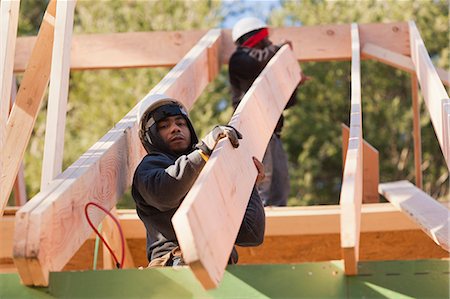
pixel 253 52
pixel 166 174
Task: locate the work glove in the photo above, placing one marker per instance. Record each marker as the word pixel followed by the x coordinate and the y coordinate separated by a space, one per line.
pixel 208 143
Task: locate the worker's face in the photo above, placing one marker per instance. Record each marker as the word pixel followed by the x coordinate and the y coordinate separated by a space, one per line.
pixel 175 132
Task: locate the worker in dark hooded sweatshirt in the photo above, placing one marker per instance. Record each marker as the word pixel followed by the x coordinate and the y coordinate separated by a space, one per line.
pixel 166 174
pixel 253 52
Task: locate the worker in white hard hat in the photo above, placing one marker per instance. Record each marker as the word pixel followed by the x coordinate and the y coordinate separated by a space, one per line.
pixel 253 52
pixel 165 175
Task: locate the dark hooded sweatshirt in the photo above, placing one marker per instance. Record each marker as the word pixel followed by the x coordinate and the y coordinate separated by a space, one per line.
pixel 161 182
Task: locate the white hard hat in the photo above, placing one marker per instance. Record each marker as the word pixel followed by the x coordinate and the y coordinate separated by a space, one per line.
pixel 150 103
pixel 246 25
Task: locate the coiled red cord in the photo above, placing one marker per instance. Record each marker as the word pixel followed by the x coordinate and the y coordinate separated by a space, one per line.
pixel 122 239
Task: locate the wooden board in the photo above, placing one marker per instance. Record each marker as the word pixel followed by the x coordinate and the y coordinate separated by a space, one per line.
pixel 371 167
pixel 25 109
pixel 209 218
pixel 433 217
pixel 54 220
pixel 332 42
pixel 120 50
pixel 431 86
pixel 9 14
pixel 352 181
pixel 58 92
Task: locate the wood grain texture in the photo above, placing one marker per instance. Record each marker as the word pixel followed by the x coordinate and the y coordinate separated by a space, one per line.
pixel 432 216
pixel 352 181
pixel 58 93
pixel 371 167
pixel 209 218
pixel 433 91
pixel 54 221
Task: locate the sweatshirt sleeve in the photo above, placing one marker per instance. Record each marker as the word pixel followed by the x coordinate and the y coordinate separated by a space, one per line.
pixel 164 183
pixel 251 232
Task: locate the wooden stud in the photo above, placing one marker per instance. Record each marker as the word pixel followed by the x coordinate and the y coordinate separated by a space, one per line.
pixel 416 130
pixel 432 217
pixel 58 92
pixel 25 109
pixel 433 91
pixel 208 220
pixel 371 170
pixel 351 192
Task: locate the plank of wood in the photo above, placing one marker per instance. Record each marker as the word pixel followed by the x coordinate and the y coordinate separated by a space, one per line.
pixel 332 42
pixel 25 109
pixel 371 169
pixel 352 181
pixel 120 50
pixel 55 223
pixel 208 220
pixel 58 92
pixel 9 14
pixel 432 217
pixel 433 91
pixel 416 130
pixel 397 60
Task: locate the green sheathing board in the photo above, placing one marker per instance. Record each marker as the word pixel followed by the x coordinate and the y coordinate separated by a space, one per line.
pixel 391 279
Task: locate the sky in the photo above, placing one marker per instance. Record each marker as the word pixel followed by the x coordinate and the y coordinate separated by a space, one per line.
pixel 236 9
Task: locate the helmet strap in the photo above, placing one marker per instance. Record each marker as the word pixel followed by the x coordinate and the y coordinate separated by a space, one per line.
pixel 256 38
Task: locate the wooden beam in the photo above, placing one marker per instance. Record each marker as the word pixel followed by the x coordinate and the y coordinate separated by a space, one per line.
pixel 120 50
pixel 352 181
pixel 432 217
pixel 371 169
pixel 397 60
pixel 58 92
pixel 332 42
pixel 433 92
pixel 54 220
pixel 416 130
pixel 9 14
pixel 25 109
pixel 208 220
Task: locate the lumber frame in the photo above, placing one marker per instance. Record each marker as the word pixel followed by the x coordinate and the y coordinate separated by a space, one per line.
pixel 397 60
pixel 25 109
pixel 58 92
pixel 208 220
pixel 136 49
pixel 433 92
pixel 9 14
pixel 52 222
pixel 430 215
pixel 371 168
pixel 352 181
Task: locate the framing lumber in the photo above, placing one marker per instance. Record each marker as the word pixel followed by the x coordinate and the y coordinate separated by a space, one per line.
pixel 137 49
pixel 371 168
pixel 58 92
pixel 416 130
pixel 433 92
pixel 120 50
pixel 9 14
pixel 352 180
pixel 432 217
pixel 397 60
pixel 25 109
pixel 54 220
pixel 208 220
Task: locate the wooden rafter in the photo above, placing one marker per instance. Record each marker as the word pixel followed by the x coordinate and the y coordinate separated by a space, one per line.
pixel 208 220
pixel 51 227
pixel 352 181
pixel 433 91
pixel 58 92
pixel 25 109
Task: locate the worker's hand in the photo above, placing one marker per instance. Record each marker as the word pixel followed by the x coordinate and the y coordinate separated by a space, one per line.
pixel 303 79
pixel 287 42
pixel 208 143
pixel 260 167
